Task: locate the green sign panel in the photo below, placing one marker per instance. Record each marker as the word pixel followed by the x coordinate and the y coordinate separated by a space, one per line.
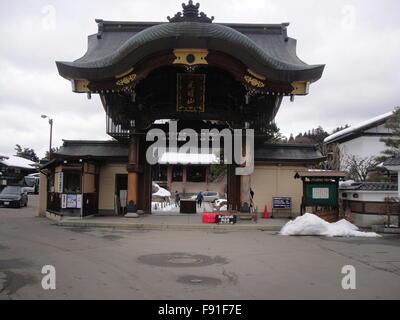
pixel 321 194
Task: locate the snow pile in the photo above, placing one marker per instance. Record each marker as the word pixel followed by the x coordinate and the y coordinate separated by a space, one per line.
pixel 159 207
pixel 312 225
pixel 162 193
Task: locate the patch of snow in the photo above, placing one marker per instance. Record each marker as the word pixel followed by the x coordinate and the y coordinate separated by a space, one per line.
pixel 162 193
pixel 312 225
pixel 347 183
pixel 188 158
pixel 163 208
pixel 358 126
pixel 12 161
pixel 224 208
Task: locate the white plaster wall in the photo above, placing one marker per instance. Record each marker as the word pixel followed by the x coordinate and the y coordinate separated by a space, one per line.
pixel 369 196
pixel 379 129
pixel 367 220
pixel 363 147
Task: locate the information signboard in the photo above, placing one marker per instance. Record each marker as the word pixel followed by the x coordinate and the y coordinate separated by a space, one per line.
pixel 71 201
pixel 320 194
pixel 282 203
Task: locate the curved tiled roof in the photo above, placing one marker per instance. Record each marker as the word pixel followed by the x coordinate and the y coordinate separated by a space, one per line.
pixel 101 62
pixel 93 149
pixel 288 152
pixel 392 162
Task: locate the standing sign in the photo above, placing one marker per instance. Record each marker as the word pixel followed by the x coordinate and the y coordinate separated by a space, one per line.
pixel 226 219
pixel 72 201
pixel 282 203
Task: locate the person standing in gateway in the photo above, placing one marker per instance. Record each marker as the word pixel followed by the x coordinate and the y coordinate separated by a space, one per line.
pixel 177 199
pixel 200 199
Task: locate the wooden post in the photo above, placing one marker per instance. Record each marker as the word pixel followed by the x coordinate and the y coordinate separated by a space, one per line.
pixel 133 175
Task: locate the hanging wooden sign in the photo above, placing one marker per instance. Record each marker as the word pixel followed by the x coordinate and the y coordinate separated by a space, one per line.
pixel 191 92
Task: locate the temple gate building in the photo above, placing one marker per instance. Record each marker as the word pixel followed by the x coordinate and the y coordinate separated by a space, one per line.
pixel 199 73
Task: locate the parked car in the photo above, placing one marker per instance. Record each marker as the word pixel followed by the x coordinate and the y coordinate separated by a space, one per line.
pixel 221 205
pixel 208 196
pixel 221 202
pixel 29 190
pixel 31 184
pixel 14 196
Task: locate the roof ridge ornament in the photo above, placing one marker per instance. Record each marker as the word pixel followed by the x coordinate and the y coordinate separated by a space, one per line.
pixel 191 14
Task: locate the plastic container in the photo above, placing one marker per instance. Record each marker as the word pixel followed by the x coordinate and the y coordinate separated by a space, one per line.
pixel 209 218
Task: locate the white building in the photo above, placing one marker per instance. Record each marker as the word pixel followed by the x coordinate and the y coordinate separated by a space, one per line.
pixel 362 140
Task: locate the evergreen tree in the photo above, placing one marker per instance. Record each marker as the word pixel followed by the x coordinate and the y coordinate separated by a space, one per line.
pixel 26 153
pixel 392 143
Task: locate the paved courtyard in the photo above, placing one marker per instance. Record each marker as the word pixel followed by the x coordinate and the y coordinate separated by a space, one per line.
pixel 93 263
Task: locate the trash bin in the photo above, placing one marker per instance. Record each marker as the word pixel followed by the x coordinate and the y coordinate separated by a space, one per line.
pixel 188 207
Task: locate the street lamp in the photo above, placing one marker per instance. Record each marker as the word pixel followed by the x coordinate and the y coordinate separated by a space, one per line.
pixel 51 132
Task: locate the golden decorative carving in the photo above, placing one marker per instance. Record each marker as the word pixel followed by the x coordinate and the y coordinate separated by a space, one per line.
pixel 254 82
pixel 260 77
pixel 124 74
pixel 300 87
pixel 190 57
pixel 126 80
pixel 80 85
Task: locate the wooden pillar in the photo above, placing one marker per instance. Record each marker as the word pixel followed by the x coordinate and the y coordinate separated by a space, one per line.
pixel 184 179
pixel 245 184
pixel 42 207
pixel 233 188
pixel 245 181
pixel 133 172
pixel 208 178
pixel 169 177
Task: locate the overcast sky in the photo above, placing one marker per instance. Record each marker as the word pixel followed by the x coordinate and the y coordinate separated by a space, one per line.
pixel 358 40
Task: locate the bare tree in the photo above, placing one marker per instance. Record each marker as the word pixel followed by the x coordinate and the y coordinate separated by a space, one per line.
pixel 333 157
pixel 358 167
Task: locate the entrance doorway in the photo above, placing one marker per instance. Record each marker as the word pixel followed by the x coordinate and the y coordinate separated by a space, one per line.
pixel 121 193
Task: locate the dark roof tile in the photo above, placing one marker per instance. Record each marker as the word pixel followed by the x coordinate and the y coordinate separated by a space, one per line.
pixel 392 162
pixel 371 186
pixel 288 152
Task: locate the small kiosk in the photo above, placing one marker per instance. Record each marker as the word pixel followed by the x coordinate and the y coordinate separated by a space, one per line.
pixel 321 193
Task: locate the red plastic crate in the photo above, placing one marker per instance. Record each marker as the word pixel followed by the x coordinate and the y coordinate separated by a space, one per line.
pixel 209 217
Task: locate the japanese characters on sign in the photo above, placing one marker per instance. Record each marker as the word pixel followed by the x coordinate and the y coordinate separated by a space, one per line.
pixel 191 92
